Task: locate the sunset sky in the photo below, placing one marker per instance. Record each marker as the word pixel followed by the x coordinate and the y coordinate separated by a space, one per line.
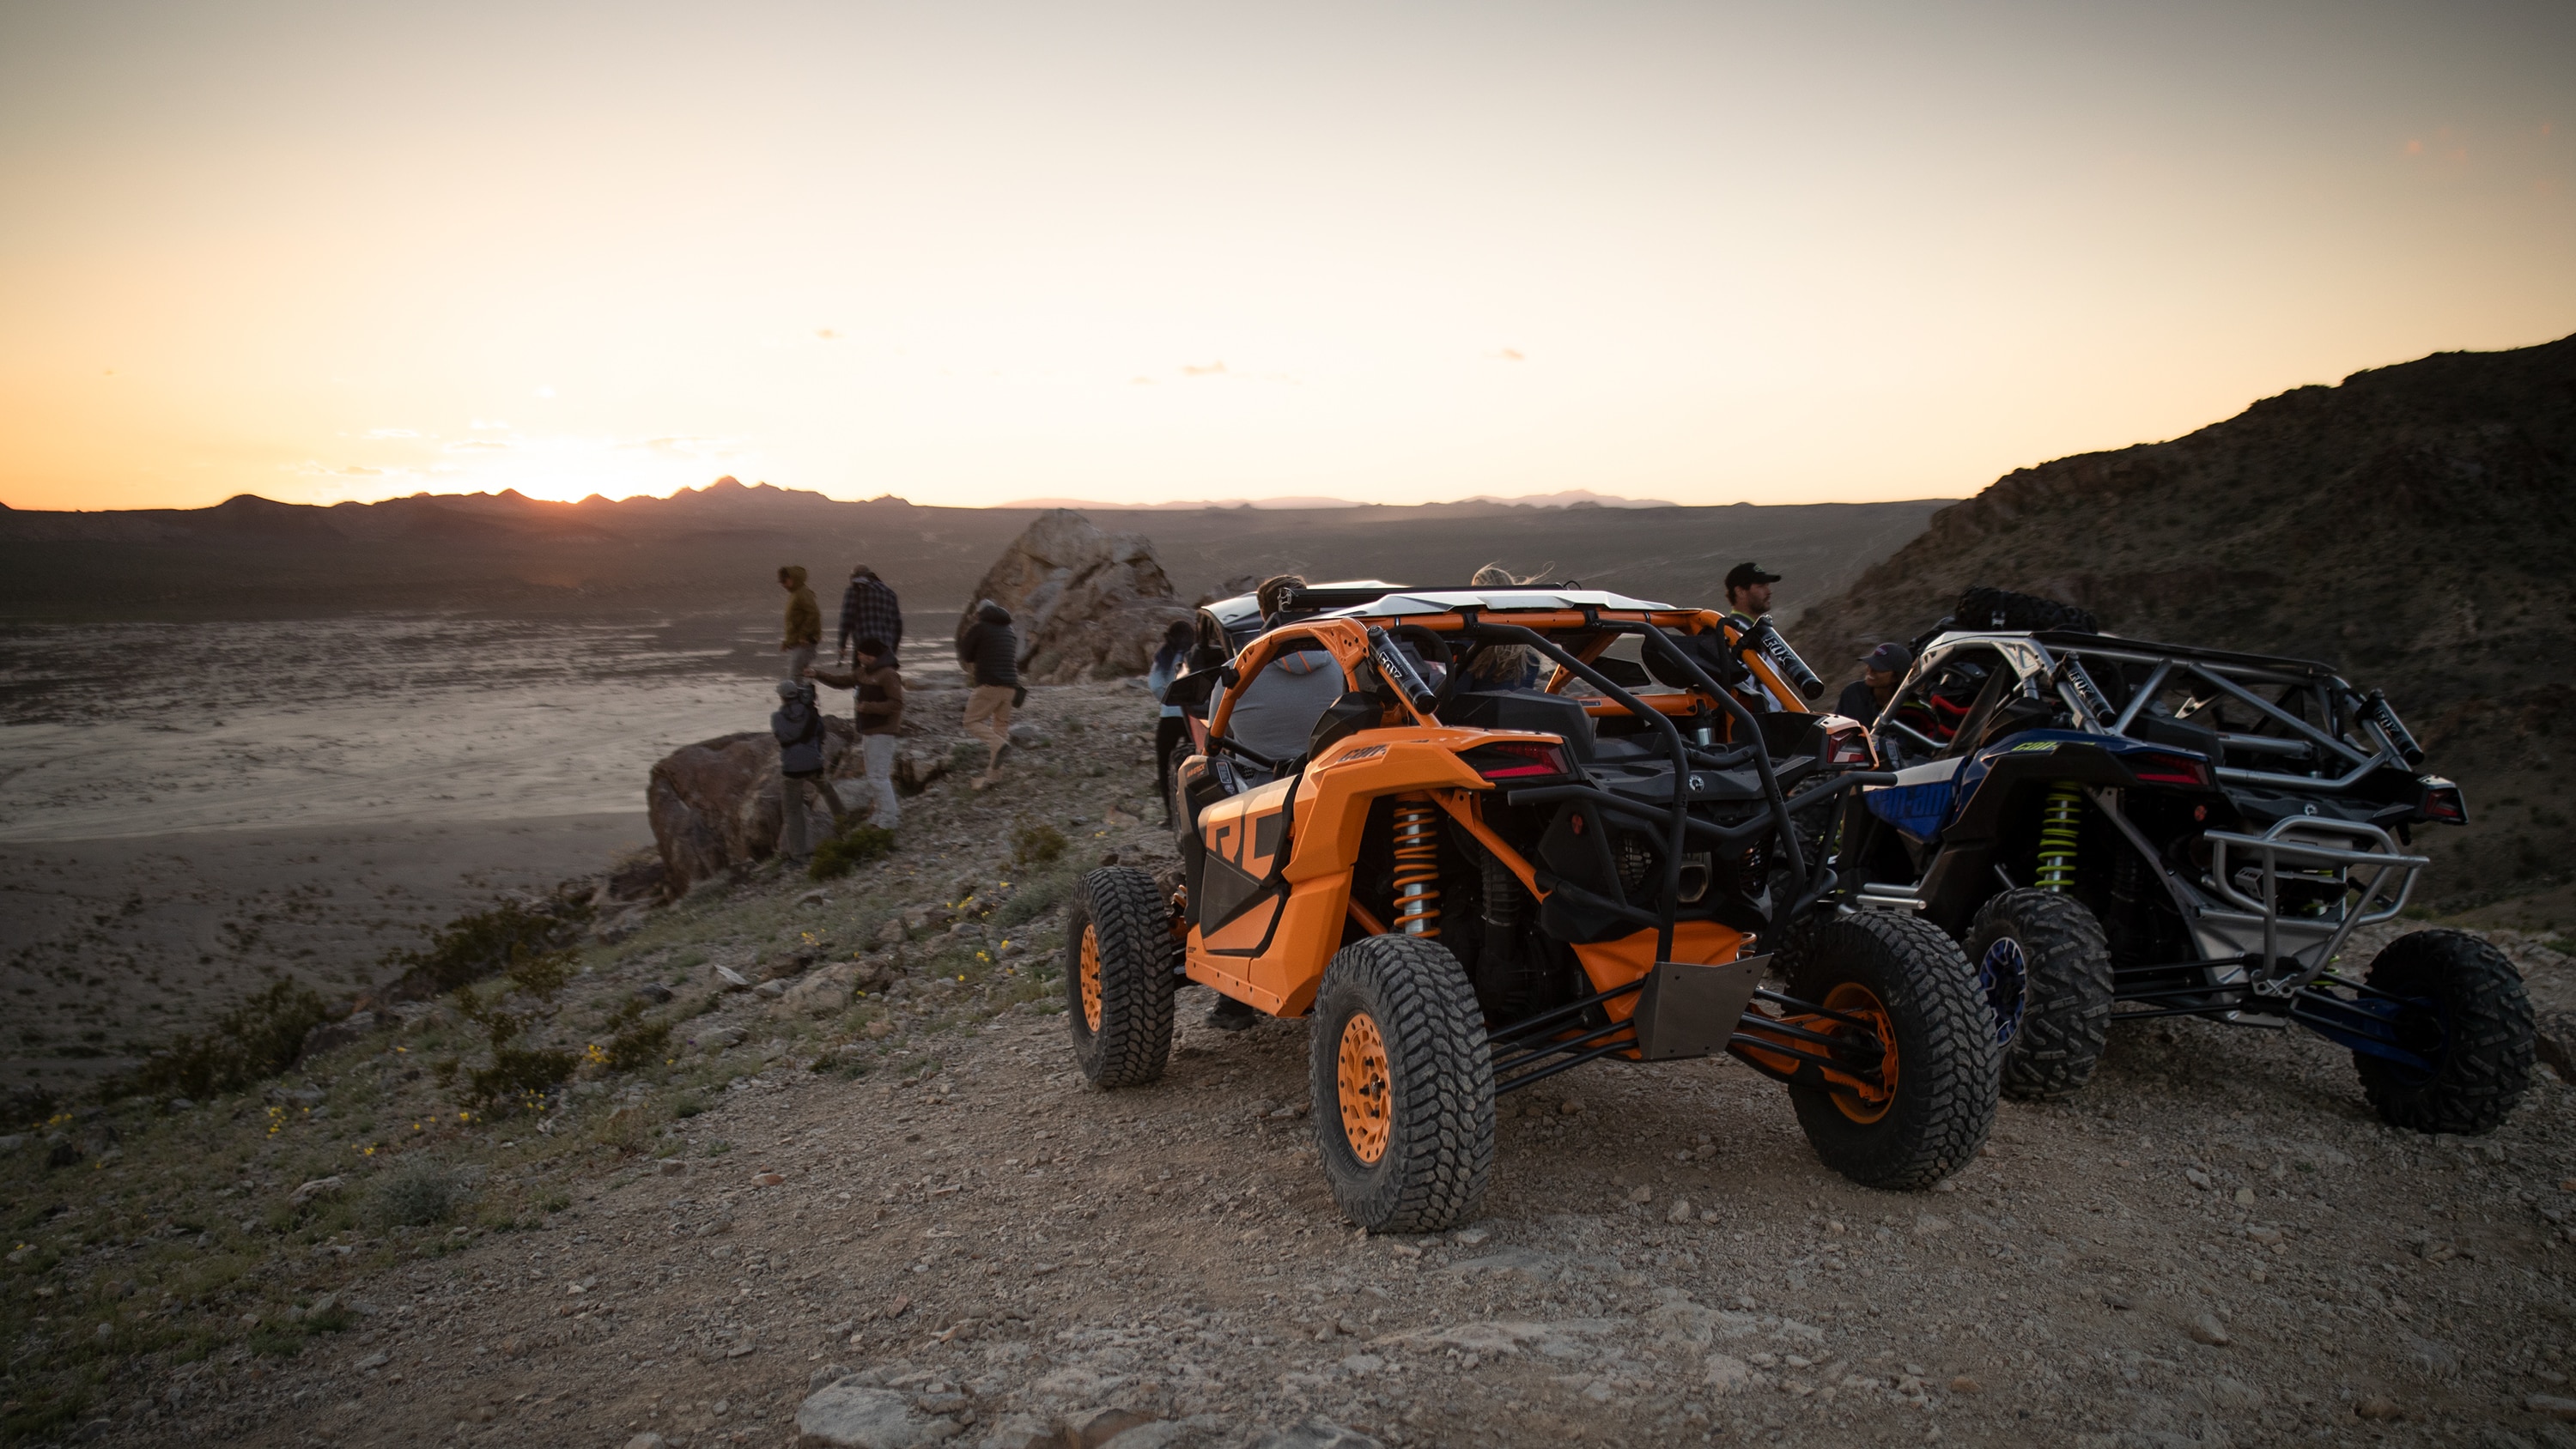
pixel 975 252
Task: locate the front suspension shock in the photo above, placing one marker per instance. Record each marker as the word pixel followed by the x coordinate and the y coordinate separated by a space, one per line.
pixel 1417 866
pixel 2058 815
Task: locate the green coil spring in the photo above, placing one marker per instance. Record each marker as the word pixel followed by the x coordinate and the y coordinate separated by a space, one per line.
pixel 2057 817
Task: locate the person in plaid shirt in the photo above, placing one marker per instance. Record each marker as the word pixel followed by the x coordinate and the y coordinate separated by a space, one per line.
pixel 869 610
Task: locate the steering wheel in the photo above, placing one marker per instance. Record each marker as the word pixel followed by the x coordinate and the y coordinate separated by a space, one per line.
pixel 1426 642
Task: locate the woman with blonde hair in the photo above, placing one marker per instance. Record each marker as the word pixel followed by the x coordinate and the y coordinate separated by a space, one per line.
pixel 1502 666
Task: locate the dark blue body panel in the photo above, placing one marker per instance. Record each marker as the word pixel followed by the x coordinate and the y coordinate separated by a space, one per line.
pixel 1925 807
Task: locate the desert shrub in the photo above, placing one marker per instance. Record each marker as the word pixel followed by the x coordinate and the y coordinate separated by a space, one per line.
pixel 687 1104
pixel 257 1039
pixel 519 1072
pixel 849 850
pixel 626 1129
pixel 1038 844
pixel 481 943
pixel 539 973
pixel 968 756
pixel 639 1045
pixel 417 1194
pixel 1035 898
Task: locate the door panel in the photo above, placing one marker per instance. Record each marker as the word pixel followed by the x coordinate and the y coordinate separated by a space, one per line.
pixel 1245 838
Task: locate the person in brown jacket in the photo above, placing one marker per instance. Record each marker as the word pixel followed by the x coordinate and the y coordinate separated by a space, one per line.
pixel 804 633
pixel 879 687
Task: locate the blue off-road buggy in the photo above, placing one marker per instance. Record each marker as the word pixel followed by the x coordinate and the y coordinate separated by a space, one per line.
pixel 2118 830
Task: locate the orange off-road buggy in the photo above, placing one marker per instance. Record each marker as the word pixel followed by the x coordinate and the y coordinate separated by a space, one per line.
pixel 1477 846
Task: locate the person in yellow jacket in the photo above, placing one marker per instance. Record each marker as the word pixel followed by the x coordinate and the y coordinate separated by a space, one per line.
pixel 804 622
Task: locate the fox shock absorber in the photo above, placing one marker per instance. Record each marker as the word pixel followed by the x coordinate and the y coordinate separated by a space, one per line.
pixel 2057 820
pixel 1417 866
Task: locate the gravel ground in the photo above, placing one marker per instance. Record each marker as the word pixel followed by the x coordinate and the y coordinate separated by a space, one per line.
pixel 2214 1244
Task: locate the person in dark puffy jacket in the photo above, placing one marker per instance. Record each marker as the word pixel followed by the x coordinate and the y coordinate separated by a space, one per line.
pixel 798 727
pixel 989 652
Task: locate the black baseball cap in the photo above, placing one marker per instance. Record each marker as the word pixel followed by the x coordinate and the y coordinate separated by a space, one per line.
pixel 1891 657
pixel 1745 574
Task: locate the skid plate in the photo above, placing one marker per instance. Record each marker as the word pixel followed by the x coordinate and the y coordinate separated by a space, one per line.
pixel 1692 1011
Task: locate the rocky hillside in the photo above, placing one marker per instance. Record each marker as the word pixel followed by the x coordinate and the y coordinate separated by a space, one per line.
pixel 2411 526
pixel 823 1174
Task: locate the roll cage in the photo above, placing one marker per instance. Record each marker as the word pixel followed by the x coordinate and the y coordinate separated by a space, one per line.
pixel 1362 638
pixel 2295 786
pixel 2248 707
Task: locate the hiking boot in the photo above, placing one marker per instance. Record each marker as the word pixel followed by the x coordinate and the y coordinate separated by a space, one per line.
pixel 1231 1015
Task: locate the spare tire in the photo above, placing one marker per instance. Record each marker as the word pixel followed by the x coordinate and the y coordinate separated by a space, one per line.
pixel 1984 608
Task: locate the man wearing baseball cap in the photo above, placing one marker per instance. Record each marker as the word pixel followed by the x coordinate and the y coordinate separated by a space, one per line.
pixel 1748 590
pixel 1881 668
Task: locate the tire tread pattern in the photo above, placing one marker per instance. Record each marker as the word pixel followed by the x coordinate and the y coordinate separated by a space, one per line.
pixel 2066 997
pixel 1134 1042
pixel 2488 1067
pixel 1946 1079
pixel 1440 1133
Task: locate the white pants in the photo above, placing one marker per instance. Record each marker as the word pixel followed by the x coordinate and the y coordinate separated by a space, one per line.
pixel 878 787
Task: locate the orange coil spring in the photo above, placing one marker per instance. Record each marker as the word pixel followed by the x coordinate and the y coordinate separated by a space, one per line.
pixel 1417 866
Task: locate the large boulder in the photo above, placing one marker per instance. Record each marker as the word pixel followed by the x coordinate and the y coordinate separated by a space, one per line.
pixel 715 805
pixel 1086 604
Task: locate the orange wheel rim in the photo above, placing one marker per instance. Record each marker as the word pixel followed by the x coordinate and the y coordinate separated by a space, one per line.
pixel 1367 1086
pixel 1091 976
pixel 1863 1103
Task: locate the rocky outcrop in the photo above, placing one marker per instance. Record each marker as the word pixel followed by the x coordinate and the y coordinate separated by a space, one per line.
pixel 714 805
pixel 1086 604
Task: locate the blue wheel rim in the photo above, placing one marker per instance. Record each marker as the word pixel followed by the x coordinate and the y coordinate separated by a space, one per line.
pixel 2003 975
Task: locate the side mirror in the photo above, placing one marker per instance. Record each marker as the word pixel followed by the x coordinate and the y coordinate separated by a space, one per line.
pixel 1193 688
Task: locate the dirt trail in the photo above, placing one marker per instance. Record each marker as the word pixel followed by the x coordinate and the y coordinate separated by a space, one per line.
pixel 2213 1245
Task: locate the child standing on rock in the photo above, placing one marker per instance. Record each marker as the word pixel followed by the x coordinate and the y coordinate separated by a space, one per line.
pixel 798 727
pixel 879 693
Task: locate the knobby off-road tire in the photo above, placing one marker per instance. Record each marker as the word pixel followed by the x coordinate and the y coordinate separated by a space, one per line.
pixel 1118 977
pixel 2065 996
pixel 1403 1086
pixel 2481 1049
pixel 1944 1099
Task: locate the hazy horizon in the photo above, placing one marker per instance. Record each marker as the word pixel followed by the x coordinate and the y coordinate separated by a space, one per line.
pixel 1144 253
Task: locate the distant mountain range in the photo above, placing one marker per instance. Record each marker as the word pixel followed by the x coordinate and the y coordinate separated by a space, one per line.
pixel 715 549
pixel 1567 498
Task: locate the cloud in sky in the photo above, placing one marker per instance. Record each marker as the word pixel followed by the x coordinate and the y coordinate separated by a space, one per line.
pixel 1204 369
pixel 391 433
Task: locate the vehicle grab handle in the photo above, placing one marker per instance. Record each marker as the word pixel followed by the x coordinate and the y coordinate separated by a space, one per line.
pixel 1398 670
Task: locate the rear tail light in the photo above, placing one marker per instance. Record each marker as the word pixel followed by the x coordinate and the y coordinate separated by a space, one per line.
pixel 1518 760
pixel 2443 802
pixel 2168 770
pixel 1848 747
